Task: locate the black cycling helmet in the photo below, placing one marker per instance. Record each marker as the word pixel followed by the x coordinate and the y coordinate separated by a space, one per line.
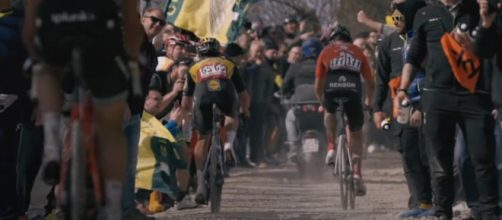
pixel 208 46
pixel 340 32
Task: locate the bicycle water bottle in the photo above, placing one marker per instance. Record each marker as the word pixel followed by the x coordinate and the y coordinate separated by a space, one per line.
pixel 385 124
pixel 404 112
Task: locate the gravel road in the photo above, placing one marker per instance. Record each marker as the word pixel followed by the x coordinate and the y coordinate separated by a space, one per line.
pixel 279 193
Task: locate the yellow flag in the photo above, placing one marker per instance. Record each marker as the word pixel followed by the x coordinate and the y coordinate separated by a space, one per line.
pixel 147 160
pixel 205 18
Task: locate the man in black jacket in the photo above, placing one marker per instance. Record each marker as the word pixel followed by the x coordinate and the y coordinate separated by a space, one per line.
pixel 14 105
pixel 454 94
pixel 487 46
pixel 389 67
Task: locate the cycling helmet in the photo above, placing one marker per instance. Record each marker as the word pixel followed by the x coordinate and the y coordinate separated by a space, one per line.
pixel 340 31
pixel 208 46
pixel 311 48
pixel 178 39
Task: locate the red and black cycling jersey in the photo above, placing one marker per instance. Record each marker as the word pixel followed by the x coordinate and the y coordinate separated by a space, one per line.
pixel 343 57
pixel 212 71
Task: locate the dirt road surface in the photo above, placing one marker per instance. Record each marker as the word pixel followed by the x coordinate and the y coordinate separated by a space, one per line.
pixel 278 193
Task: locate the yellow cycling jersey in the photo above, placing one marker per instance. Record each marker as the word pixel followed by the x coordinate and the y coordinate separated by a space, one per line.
pixel 212 68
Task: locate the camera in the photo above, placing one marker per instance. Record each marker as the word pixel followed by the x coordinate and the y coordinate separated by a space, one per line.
pixel 493 5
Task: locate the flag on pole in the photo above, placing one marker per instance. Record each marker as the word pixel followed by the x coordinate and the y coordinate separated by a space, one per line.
pixel 220 19
pixel 158 156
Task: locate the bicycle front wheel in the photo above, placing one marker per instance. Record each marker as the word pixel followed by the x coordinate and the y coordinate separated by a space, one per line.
pixel 215 174
pixel 341 164
pixel 349 181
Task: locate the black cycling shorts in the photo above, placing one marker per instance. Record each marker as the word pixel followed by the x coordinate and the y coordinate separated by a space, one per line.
pixel 94 27
pixel 353 108
pixel 218 91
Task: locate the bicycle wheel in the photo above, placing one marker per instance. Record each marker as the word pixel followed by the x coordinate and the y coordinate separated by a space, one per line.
pixel 77 181
pixel 341 164
pixel 350 184
pixel 215 175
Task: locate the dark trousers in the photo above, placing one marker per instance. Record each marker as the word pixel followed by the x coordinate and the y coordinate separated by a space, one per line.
pixel 443 112
pixel 498 157
pixel 242 140
pixel 257 131
pixel 415 165
pixel 466 187
pixel 9 140
pixel 28 162
pixel 465 183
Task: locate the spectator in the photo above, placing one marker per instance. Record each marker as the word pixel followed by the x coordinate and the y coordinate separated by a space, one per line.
pixel 379 27
pixel 360 40
pixel 299 85
pixel 490 32
pixel 294 56
pixel 411 147
pixel 168 86
pixel 449 100
pixel 235 53
pixel 260 77
pixel 291 28
pixel 153 22
pixel 244 40
pixel 14 102
pixel 372 39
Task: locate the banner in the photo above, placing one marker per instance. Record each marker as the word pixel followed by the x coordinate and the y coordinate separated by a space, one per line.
pixel 220 19
pixel 158 156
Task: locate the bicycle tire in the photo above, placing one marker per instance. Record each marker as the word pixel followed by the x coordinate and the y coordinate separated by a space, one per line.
pixel 350 184
pixel 340 163
pixel 77 181
pixel 215 186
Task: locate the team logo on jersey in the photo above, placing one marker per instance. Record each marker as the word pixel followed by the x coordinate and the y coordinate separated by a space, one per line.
pixel 343 83
pixel 213 70
pixel 214 85
pixel 345 61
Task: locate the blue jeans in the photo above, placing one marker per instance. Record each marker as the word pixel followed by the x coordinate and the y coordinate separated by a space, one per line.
pixel 132 131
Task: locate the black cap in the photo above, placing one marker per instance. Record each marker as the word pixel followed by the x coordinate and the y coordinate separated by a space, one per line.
pixel 290 19
pixel 233 50
pixel 270 44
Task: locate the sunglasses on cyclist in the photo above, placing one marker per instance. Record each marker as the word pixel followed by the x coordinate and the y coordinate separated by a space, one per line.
pixel 157 20
pixel 398 18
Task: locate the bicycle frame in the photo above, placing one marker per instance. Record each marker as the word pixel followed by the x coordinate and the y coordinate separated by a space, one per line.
pixel 79 150
pixel 343 167
pixel 215 170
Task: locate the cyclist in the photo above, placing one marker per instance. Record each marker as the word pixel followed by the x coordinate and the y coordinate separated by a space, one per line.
pixel 338 74
pixel 213 79
pixel 104 74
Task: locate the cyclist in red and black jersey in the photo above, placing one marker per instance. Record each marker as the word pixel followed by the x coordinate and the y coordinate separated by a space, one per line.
pixel 338 74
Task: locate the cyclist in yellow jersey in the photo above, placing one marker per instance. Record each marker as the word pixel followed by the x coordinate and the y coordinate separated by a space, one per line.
pixel 214 79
